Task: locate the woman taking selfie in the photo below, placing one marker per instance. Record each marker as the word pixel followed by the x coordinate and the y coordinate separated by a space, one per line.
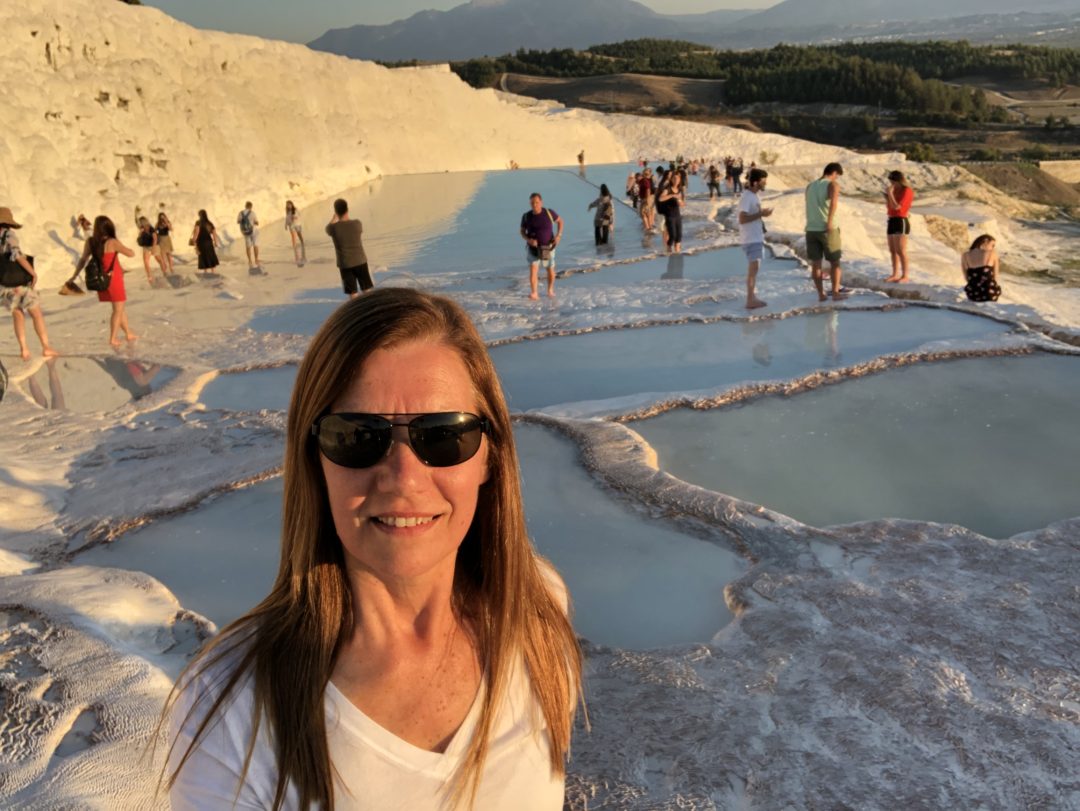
pixel 414 651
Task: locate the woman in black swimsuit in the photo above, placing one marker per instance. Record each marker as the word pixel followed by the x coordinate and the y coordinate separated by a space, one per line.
pixel 980 265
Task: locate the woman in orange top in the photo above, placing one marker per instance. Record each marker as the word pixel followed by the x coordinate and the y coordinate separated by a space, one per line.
pixel 898 198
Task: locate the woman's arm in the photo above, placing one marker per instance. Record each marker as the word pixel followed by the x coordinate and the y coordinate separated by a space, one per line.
pixel 24 263
pixel 118 247
pixel 890 198
pixel 86 251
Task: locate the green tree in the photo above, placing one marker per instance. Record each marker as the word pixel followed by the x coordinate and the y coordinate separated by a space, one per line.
pixel 923 153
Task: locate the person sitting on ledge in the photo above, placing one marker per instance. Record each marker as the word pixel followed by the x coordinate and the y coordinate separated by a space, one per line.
pixel 980 266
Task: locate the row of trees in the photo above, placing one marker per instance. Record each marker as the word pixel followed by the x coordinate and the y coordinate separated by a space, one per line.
pixel 906 77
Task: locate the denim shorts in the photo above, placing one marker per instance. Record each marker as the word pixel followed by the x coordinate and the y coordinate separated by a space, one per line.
pixel 755 251
pixel 536 260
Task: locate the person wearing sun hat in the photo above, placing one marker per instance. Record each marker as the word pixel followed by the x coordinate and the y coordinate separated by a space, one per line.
pixel 23 300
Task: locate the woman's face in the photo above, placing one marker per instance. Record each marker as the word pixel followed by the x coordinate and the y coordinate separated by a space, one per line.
pixel 419 377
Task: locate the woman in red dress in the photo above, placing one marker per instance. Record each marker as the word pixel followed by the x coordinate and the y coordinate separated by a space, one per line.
pixel 106 248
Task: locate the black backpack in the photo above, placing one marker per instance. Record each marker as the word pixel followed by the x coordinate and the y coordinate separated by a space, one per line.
pixel 96 277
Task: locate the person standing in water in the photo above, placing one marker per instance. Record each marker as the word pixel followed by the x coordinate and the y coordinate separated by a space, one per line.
pixel 296 232
pixel 822 231
pixel 898 198
pixel 669 202
pixel 347 236
pixel 541 228
pixel 752 231
pixel 604 220
pixel 24 299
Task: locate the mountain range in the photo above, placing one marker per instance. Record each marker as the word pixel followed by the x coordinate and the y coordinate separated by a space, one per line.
pixel 495 27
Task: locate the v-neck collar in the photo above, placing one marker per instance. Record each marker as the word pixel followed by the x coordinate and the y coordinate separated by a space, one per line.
pixel 409 755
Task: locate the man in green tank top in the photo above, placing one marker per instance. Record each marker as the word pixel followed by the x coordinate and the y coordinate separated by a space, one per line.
pixel 822 231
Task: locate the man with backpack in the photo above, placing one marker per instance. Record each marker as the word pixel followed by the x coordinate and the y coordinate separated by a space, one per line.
pixel 249 225
pixel 541 228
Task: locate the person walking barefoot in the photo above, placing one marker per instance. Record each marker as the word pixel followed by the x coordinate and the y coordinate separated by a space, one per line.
pixel 752 232
pixel 823 232
pixel 106 249
pixel 296 232
pixel 541 228
pixel 164 241
pixel 23 300
pixel 898 198
pixel 205 240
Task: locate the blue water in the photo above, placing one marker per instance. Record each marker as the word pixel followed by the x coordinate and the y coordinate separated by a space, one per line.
pixel 634 583
pixel 694 357
pixel 987 443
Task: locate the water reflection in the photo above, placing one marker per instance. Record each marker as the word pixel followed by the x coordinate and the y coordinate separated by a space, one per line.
pixel 649 362
pixel 94 384
pixel 674 268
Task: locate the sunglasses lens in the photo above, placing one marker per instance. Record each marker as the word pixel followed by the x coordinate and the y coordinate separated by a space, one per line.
pixel 355 440
pixel 443 440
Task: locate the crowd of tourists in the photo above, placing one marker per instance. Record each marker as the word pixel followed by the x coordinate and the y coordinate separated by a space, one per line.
pixel 649 191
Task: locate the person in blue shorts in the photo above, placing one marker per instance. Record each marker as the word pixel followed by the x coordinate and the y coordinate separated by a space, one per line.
pixel 541 228
pixel 752 231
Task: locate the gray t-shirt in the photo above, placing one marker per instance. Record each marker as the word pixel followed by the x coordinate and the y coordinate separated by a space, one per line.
pixel 348 243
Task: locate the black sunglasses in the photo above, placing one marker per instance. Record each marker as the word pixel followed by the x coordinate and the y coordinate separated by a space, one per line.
pixel 438 440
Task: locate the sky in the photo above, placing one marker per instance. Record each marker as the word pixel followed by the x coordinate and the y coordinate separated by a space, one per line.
pixel 304 20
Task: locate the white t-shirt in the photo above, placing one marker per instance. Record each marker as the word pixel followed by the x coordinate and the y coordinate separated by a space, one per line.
pixel 374 769
pixel 751 232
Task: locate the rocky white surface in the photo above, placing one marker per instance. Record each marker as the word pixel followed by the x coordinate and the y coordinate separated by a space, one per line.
pixel 884 665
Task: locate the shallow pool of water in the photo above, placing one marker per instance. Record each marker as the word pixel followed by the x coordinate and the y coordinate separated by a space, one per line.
pixel 988 443
pixel 694 357
pixel 726 263
pixel 251 391
pixel 88 385
pixel 634 582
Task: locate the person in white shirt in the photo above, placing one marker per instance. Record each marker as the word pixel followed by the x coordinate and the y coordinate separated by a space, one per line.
pixel 414 652
pixel 752 231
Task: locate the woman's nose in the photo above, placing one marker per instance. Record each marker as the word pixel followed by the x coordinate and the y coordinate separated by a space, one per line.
pixel 401 467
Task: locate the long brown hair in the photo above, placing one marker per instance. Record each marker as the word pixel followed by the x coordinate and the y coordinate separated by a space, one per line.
pixel 104 230
pixel 289 642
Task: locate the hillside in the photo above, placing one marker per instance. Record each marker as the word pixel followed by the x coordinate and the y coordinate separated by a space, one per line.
pixel 624 91
pixel 475 29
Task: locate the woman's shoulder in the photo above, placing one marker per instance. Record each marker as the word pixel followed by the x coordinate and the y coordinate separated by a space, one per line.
pixel 554 582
